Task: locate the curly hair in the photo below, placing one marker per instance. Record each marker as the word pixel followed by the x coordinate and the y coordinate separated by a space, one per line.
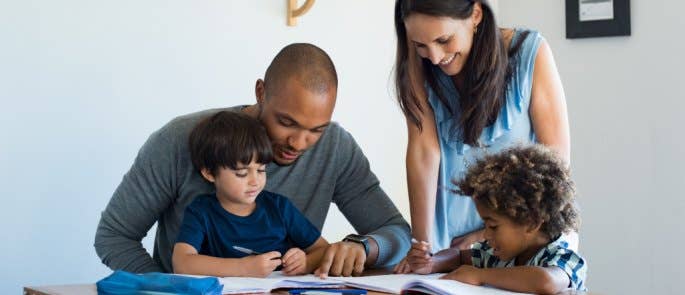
pixel 528 184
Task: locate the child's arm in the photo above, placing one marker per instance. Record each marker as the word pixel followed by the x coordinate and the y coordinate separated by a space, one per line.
pixel 528 279
pixel 186 260
pixel 297 262
pixel 315 254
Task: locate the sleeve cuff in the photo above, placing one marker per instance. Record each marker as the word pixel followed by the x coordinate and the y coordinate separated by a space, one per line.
pixel 393 243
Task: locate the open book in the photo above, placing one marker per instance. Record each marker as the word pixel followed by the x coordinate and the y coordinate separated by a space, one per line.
pixel 394 284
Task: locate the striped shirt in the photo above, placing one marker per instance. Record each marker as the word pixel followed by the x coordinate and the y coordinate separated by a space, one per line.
pixel 555 253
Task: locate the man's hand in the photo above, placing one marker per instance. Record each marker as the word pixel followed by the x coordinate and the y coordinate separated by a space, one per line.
pixel 294 262
pixel 402 267
pixel 262 265
pixel 466 274
pixel 342 258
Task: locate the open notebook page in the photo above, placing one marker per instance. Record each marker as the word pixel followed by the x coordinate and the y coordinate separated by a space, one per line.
pixel 236 285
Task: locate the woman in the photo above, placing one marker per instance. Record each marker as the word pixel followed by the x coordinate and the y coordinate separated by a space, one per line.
pixel 466 87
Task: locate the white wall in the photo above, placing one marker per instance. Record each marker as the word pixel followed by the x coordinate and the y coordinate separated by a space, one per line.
pixel 625 100
pixel 83 83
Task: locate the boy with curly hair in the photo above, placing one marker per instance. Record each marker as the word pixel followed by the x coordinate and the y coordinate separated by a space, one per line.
pixel 526 199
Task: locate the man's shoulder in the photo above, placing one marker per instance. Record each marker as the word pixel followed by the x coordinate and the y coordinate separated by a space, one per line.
pixel 188 121
pixel 202 202
pixel 335 134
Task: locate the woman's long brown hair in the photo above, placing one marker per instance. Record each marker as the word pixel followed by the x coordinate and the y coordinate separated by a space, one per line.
pixel 486 72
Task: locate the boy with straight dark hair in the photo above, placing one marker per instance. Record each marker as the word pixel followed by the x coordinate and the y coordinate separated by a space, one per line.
pixel 241 230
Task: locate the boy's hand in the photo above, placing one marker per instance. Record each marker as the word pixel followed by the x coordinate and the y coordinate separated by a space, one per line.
pixel 294 262
pixel 465 274
pixel 262 265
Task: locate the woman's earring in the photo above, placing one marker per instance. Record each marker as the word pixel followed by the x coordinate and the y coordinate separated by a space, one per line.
pixel 475 29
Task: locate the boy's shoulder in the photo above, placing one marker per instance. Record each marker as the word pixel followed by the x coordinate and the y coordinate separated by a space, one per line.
pixel 558 246
pixel 557 253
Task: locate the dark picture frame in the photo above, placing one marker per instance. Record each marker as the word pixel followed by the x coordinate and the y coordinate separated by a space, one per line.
pixel 618 25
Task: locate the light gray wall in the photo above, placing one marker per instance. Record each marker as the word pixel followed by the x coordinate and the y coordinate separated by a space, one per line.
pixel 83 83
pixel 625 105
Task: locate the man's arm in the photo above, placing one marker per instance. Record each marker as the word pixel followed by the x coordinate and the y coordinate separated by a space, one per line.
pixel 141 197
pixel 360 198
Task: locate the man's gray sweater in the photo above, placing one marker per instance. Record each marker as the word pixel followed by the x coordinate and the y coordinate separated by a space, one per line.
pixel 163 181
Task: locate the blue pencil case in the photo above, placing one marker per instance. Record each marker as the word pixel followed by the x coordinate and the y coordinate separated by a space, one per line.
pixel 122 282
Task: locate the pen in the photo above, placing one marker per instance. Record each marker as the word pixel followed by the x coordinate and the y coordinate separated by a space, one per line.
pixel 250 251
pixel 246 250
pixel 414 241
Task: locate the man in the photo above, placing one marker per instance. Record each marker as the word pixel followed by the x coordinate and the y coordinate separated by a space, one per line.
pixel 316 162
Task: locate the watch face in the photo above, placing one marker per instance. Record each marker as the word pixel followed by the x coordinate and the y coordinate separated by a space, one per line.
pixel 363 240
pixel 356 238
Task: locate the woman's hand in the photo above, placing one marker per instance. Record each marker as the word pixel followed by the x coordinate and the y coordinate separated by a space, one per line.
pixel 420 258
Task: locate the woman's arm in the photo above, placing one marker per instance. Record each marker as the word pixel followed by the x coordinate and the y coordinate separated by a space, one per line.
pixel 423 156
pixel 186 260
pixel 422 165
pixel 423 160
pixel 548 105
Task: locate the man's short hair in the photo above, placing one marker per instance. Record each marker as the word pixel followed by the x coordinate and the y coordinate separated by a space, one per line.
pixel 226 139
pixel 306 63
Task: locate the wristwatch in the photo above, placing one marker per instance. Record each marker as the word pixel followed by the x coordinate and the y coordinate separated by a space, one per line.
pixel 355 238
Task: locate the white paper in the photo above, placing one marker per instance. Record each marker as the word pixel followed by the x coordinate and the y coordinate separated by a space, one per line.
pixel 448 287
pixel 237 285
pixel 393 284
pixel 592 10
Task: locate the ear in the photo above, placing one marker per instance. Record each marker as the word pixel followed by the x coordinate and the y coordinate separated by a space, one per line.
pixel 259 91
pixel 477 14
pixel 533 227
pixel 207 175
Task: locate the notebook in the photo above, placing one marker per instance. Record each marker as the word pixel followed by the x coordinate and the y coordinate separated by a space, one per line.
pixel 240 285
pixel 393 284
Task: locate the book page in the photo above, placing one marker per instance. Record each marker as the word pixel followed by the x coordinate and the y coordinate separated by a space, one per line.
pixel 446 287
pixel 385 283
pixel 276 280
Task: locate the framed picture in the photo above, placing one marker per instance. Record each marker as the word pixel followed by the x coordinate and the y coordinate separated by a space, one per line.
pixel 597 18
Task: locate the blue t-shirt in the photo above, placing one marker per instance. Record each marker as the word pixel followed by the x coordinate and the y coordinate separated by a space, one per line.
pixel 555 253
pixel 274 225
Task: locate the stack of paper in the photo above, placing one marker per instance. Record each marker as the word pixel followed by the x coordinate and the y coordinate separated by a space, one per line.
pixel 235 285
pixel 394 284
